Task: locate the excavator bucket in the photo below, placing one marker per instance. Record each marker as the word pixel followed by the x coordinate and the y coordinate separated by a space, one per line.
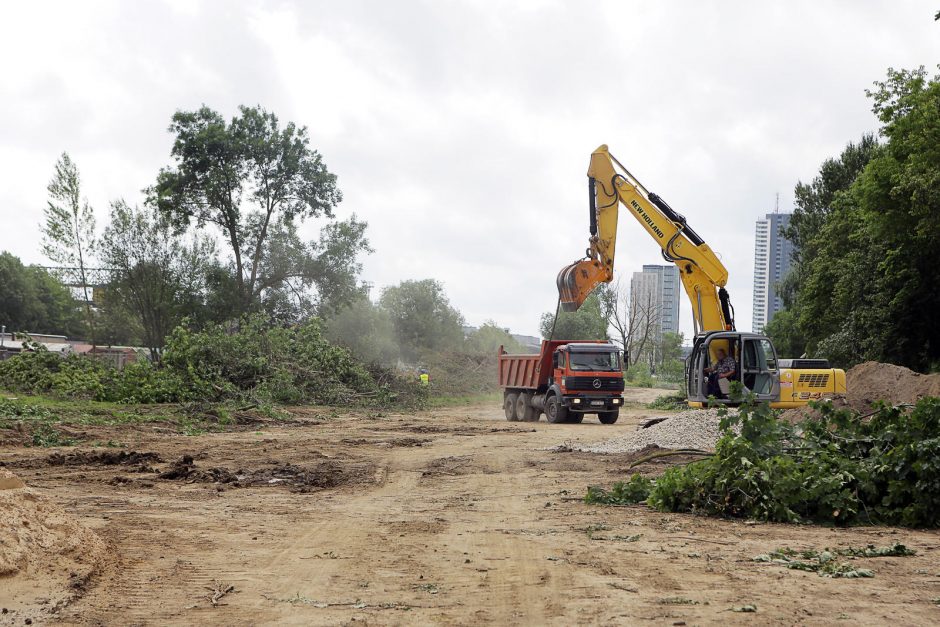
pixel 577 281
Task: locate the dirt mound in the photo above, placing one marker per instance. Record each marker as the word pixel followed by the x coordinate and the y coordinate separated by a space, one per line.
pixel 47 556
pixel 326 474
pixel 874 381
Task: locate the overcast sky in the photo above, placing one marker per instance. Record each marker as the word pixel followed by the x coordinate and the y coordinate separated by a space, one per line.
pixel 461 131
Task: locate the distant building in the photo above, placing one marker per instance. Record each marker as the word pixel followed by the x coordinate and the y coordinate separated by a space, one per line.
pixel 654 299
pixel 530 343
pixel 772 256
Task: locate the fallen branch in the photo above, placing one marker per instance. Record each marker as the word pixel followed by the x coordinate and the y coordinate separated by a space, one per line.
pixel 701 540
pixel 219 591
pixel 684 451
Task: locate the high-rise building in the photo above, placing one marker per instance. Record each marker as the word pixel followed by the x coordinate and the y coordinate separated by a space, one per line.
pixel 772 256
pixel 654 300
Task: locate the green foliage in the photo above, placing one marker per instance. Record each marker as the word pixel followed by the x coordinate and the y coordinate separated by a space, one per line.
pixel 423 317
pixel 68 229
pixel 868 228
pixel 256 179
pixel 638 375
pixel 834 468
pixel 366 330
pixel 784 331
pixel 157 276
pixel 35 421
pixel 255 361
pixel 621 493
pixel 489 337
pixel 824 562
pixel 283 365
pixel 587 323
pixel 33 300
pixel 669 401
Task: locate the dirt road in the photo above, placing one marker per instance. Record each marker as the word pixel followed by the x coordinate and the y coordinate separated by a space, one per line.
pixel 445 517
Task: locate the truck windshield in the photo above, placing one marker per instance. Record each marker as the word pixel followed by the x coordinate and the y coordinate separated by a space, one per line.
pixel 595 361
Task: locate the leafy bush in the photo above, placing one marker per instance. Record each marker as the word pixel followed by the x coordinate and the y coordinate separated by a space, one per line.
pixel 638 375
pixel 669 401
pixel 621 493
pixel 251 361
pixel 833 468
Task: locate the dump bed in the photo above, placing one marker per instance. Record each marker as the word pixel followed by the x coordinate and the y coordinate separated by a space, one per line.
pixel 529 372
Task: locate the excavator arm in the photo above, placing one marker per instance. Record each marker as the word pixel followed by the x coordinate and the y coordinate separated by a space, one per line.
pixel 702 273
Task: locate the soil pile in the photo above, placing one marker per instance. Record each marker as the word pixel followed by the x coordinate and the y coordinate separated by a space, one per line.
pixel 874 381
pixel 46 555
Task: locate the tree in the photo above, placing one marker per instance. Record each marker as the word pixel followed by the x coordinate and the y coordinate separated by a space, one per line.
pixel 869 231
pixel 33 300
pixel 299 280
pixel 68 230
pixel 254 180
pixel 634 318
pixel 489 337
pixel 158 276
pixel 587 323
pixel 423 316
pixel 366 330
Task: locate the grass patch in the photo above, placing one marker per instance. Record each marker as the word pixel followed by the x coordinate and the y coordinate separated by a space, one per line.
pixel 40 417
pixel 672 402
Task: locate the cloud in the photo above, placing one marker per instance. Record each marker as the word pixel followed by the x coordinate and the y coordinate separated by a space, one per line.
pixel 462 132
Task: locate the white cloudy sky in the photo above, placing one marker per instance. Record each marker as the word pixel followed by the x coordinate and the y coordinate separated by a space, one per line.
pixel 461 131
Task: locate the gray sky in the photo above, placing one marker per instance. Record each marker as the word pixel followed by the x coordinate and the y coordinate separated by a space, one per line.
pixel 461 131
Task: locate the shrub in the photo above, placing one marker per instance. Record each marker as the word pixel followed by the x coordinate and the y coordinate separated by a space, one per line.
pixel 621 493
pixel 638 375
pixel 669 401
pixel 834 468
pixel 253 360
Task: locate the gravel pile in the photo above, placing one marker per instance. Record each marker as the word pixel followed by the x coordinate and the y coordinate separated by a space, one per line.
pixel 694 428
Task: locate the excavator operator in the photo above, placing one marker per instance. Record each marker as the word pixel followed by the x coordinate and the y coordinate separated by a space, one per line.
pixel 719 375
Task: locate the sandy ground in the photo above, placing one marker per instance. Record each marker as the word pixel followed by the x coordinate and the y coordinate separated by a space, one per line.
pixel 446 517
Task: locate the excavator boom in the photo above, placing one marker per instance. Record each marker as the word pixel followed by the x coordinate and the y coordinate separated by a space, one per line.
pixel 702 273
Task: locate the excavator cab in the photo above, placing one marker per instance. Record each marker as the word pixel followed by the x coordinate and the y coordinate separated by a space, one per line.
pixel 756 367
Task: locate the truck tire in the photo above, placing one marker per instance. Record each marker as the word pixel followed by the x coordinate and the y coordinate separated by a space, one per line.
pixel 509 404
pixel 555 411
pixel 524 410
pixel 608 417
pixel 575 417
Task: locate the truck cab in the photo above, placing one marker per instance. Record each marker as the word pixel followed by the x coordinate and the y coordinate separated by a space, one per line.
pixel 587 378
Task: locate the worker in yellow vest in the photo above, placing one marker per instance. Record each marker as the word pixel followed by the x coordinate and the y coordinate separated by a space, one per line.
pixel 424 376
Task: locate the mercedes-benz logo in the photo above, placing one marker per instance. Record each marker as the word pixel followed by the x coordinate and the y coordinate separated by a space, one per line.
pixel 597 384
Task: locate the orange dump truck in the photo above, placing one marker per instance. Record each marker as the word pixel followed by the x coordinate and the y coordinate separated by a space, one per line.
pixel 565 380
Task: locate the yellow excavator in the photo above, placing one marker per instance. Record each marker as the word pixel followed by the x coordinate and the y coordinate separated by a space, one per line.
pixel 784 383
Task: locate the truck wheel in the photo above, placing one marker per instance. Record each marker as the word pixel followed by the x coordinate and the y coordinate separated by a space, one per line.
pixel 524 411
pixel 608 417
pixel 575 417
pixel 509 404
pixel 555 411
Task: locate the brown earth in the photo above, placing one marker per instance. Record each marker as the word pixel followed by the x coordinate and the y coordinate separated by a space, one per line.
pixel 47 556
pixel 447 517
pixel 874 381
